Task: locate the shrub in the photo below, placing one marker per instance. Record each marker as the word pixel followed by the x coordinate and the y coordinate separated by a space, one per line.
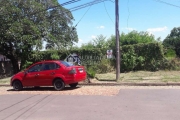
pixel 104 66
pixel 91 72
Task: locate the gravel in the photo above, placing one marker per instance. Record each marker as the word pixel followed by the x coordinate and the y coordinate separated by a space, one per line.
pixel 82 90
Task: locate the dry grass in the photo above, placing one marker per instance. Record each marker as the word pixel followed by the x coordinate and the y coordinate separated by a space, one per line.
pixel 142 76
pixel 5 81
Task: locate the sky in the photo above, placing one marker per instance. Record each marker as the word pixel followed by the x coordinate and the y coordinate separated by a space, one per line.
pixel 157 17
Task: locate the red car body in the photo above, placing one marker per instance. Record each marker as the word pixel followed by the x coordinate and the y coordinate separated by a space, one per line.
pixel 45 73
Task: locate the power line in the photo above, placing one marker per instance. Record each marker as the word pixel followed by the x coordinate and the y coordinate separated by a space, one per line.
pixel 108 13
pixel 52 7
pixel 86 5
pixel 69 2
pixel 82 16
pixel 160 1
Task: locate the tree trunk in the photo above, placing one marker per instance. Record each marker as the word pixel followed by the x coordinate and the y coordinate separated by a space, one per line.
pixel 14 62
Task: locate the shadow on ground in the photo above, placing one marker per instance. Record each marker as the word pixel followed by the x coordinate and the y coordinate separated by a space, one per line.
pixel 44 89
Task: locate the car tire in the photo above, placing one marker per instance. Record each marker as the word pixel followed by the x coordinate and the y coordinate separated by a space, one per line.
pixel 73 85
pixel 17 85
pixel 59 84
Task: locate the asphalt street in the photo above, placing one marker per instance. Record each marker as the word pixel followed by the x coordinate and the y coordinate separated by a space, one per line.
pixel 128 104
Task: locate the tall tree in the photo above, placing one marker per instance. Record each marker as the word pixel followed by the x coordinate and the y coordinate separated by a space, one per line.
pixel 27 24
pixel 133 37
pixel 98 42
pixel 172 41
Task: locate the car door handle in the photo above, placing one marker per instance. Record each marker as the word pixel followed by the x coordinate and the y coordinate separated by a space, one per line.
pixel 52 73
pixel 36 75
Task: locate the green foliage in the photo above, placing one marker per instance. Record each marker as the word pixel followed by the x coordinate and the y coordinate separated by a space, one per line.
pixel 105 66
pixel 91 72
pixel 142 57
pixel 170 53
pixel 26 65
pixel 98 42
pixel 172 41
pixel 133 37
pixel 27 24
pixel 128 61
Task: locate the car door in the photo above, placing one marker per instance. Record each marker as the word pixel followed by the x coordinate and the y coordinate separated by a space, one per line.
pixel 47 74
pixel 32 75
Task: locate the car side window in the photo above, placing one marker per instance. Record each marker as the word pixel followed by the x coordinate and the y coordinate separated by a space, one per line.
pixel 35 68
pixel 57 66
pixel 50 66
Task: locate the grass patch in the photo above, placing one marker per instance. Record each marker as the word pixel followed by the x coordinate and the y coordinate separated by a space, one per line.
pixel 142 76
pixel 5 80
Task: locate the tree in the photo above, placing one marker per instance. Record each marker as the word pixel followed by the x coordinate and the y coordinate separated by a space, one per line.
pixel 98 42
pixel 133 37
pixel 172 41
pixel 27 24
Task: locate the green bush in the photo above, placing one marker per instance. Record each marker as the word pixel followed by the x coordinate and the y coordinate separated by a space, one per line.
pixel 26 65
pixel 105 66
pixel 91 72
pixel 128 61
pixel 170 53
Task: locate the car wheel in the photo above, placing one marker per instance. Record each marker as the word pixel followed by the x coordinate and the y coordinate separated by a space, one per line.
pixel 73 85
pixel 59 84
pixel 17 85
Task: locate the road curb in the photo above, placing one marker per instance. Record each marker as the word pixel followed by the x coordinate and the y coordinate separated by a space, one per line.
pixel 119 84
pixel 130 84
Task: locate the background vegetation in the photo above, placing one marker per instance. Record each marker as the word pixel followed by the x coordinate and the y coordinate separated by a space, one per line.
pixel 27 25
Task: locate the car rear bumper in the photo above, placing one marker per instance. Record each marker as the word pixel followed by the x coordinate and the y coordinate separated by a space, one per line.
pixel 76 78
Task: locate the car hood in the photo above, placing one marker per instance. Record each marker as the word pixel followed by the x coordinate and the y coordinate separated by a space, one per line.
pixel 19 73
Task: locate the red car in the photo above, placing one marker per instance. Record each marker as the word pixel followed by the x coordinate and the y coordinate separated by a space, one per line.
pixel 49 73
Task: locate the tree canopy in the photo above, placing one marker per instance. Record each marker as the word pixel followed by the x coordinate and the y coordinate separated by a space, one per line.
pixel 172 41
pixel 27 24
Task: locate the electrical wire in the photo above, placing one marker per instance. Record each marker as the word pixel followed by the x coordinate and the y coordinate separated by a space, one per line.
pixel 82 16
pixel 86 5
pixel 69 2
pixel 108 13
pixel 52 7
pixel 160 1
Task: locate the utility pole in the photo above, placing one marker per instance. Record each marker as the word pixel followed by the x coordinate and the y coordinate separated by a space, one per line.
pixel 117 40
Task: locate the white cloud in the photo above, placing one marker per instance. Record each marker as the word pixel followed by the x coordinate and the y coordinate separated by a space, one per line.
pixel 160 29
pixel 80 40
pixel 93 36
pixel 130 29
pixel 101 27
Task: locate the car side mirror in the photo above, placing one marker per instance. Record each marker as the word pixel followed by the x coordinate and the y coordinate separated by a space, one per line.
pixel 26 72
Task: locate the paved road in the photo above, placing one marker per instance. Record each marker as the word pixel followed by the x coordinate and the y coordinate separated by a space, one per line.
pixel 128 104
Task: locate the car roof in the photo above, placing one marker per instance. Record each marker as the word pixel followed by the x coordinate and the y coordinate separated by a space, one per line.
pixel 44 61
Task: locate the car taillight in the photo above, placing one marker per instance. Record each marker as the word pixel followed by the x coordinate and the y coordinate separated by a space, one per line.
pixel 73 71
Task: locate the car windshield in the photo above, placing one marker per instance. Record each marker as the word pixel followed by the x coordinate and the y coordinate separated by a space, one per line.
pixel 67 64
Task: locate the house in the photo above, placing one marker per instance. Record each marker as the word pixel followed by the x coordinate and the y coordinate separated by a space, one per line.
pixel 73 58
